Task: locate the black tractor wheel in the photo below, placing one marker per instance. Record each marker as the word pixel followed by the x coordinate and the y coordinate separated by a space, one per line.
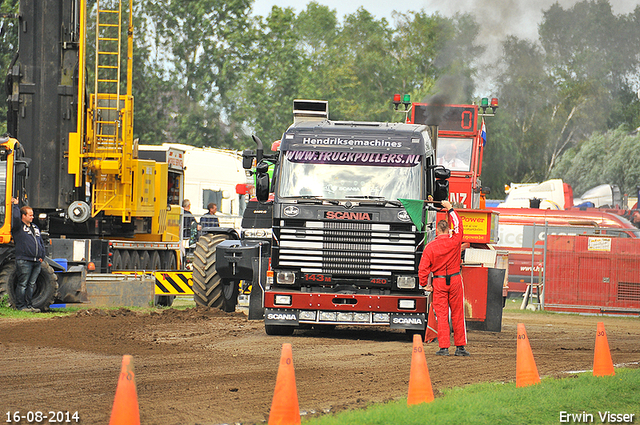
pixel 281 330
pixel 230 290
pixel 46 286
pixel 207 285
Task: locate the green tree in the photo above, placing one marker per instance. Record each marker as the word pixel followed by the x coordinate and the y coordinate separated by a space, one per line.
pixel 574 83
pixel 272 80
pixel 604 158
pixel 202 45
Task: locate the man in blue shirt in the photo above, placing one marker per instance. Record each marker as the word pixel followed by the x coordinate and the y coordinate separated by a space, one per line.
pixel 29 255
pixel 210 219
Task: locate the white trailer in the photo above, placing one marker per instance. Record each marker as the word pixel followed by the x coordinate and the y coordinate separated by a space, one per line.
pixel 213 175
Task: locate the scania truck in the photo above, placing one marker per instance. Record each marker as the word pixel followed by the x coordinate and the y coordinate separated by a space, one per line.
pixel 344 250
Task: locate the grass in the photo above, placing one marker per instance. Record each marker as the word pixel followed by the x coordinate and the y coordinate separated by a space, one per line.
pixel 503 403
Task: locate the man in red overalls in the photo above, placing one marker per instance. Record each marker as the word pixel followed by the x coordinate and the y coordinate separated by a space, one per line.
pixel 442 258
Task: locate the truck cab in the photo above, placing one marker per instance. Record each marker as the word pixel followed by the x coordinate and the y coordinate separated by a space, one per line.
pixel 344 250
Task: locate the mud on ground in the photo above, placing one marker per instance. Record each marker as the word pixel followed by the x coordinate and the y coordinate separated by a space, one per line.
pixel 205 367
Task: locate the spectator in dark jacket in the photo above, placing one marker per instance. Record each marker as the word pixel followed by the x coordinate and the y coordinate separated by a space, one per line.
pixel 29 255
pixel 210 219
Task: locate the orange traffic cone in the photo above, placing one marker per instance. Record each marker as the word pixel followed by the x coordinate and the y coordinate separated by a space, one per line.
pixel 602 363
pixel 125 405
pixel 432 326
pixel 284 407
pixel 420 390
pixel 526 370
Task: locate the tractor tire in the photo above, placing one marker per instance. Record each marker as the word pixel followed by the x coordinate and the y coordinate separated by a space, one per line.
pixel 230 291
pixel 46 287
pixel 281 330
pixel 207 284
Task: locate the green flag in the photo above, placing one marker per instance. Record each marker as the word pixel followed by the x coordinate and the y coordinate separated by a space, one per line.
pixel 414 209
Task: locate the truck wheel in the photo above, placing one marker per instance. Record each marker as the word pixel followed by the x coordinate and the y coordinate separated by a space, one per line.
pixel 207 285
pixel 230 290
pixel 169 260
pixel 412 332
pixel 126 259
pixel 7 274
pixel 136 264
pixel 156 263
pixel 281 330
pixel 145 260
pixel 117 261
pixel 46 288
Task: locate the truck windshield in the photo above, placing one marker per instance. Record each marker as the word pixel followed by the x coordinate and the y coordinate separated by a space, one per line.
pixel 345 175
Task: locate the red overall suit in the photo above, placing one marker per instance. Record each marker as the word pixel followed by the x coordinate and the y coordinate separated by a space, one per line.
pixel 442 258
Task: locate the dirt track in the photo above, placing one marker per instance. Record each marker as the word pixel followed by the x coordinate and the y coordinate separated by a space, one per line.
pixel 207 367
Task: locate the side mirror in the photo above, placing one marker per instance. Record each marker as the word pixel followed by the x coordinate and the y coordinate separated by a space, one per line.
pixel 442 173
pixel 247 159
pixel 262 181
pixel 22 167
pixel 441 184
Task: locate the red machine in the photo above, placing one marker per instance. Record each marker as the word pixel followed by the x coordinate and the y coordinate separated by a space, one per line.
pixel 459 145
pixel 459 142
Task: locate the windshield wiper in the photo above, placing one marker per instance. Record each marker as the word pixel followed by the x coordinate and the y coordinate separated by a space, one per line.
pixel 376 200
pixel 312 199
pixel 364 197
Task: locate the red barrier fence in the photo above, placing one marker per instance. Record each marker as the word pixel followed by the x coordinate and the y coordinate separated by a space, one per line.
pixel 594 274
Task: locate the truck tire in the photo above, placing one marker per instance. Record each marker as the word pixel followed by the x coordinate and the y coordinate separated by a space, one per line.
pixel 7 272
pixel 117 261
pixel 207 284
pixel 230 290
pixel 281 330
pixel 46 288
pixel 156 263
pixel 169 260
pixel 145 260
pixel 126 259
pixel 135 260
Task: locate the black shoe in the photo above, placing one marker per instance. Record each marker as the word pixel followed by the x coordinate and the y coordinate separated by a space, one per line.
pixel 460 351
pixel 442 352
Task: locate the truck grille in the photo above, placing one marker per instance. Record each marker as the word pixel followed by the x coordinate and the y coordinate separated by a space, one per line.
pixel 348 249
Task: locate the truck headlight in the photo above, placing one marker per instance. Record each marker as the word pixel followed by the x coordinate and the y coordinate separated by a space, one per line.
pixel 406 282
pixel 380 317
pixel 286 278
